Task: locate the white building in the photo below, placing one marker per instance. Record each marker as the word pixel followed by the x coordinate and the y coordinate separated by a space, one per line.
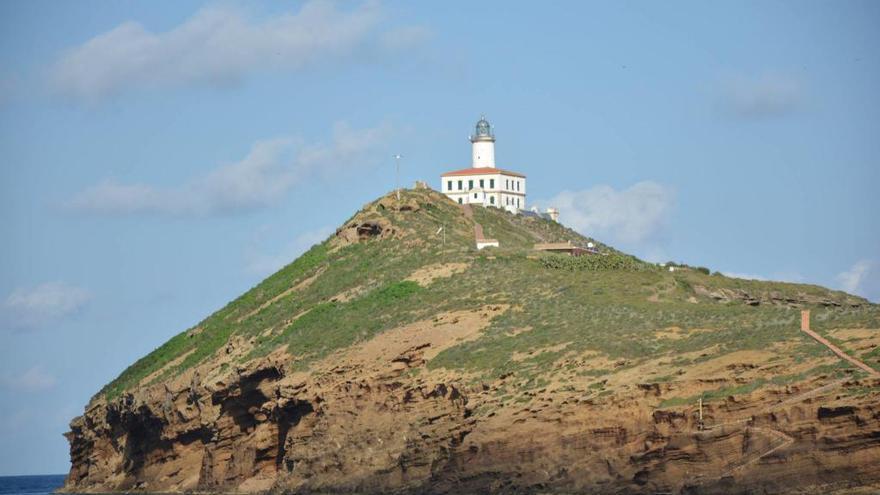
pixel 484 184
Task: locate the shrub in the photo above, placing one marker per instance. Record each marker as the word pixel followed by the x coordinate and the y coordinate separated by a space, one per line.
pixel 613 261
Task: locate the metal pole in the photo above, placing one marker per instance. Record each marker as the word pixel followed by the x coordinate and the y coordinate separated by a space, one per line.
pixel 701 413
pixel 397 176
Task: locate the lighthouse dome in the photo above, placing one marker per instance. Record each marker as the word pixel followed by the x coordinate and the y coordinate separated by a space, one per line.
pixel 483 130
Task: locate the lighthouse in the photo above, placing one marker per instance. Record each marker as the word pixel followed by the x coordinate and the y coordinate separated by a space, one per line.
pixel 483 145
pixel 483 183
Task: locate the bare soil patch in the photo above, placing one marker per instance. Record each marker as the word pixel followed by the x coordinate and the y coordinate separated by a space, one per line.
pixel 417 343
pixel 427 274
pixel 678 333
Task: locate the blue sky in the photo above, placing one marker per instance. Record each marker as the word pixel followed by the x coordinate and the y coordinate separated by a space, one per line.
pixel 158 159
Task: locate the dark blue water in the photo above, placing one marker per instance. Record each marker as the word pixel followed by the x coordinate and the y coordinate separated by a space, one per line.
pixel 30 485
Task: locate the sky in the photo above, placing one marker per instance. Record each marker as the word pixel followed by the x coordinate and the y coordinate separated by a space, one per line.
pixel 157 159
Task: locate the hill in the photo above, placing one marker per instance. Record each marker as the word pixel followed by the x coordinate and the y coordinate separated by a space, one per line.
pixel 395 357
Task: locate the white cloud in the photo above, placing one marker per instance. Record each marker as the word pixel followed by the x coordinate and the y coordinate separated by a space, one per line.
pixel 43 304
pixel 268 172
pixel 761 96
pixel 853 280
pixel 257 263
pixel 630 215
pixel 34 379
pixel 217 46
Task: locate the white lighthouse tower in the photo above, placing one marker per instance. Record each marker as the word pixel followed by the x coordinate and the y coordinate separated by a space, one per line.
pixel 486 185
pixel 483 184
pixel 483 145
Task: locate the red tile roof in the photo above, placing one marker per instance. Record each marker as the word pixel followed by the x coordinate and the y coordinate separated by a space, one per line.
pixel 482 171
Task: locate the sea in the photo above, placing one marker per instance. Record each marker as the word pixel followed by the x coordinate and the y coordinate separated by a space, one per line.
pixel 41 484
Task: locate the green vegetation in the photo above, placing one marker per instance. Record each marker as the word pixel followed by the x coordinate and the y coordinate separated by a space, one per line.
pixel 340 293
pixel 330 326
pixel 610 261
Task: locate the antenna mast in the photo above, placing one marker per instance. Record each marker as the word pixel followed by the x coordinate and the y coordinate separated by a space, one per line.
pixel 397 157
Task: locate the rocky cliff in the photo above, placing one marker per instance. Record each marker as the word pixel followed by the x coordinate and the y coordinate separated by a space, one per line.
pixel 385 361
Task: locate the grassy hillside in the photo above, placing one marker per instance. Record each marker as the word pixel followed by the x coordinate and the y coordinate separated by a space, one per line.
pixel 621 310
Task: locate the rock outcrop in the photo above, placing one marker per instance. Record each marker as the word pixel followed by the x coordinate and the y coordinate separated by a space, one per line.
pixel 374 419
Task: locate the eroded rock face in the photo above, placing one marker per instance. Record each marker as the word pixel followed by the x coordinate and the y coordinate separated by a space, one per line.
pixel 361 428
pixel 370 224
pixel 361 230
pixel 773 298
pixel 339 432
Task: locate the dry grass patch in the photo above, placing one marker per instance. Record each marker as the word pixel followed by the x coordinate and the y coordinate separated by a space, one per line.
pixel 301 286
pixel 427 274
pixel 517 331
pixel 348 295
pixel 159 372
pixel 522 356
pixel 678 333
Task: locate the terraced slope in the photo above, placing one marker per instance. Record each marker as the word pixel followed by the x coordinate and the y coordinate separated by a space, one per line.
pixel 385 359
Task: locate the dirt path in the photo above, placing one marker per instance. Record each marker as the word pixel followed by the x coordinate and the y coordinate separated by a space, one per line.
pixel 478 229
pixel 478 232
pixel 836 350
pixel 468 211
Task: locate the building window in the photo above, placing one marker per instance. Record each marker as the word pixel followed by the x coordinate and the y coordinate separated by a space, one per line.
pixel 506 184
pixel 470 185
pixel 492 199
pixel 517 185
pixel 517 202
pixel 459 200
pixel 475 195
pixel 481 184
pixel 449 185
pixel 459 185
pixel 491 183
